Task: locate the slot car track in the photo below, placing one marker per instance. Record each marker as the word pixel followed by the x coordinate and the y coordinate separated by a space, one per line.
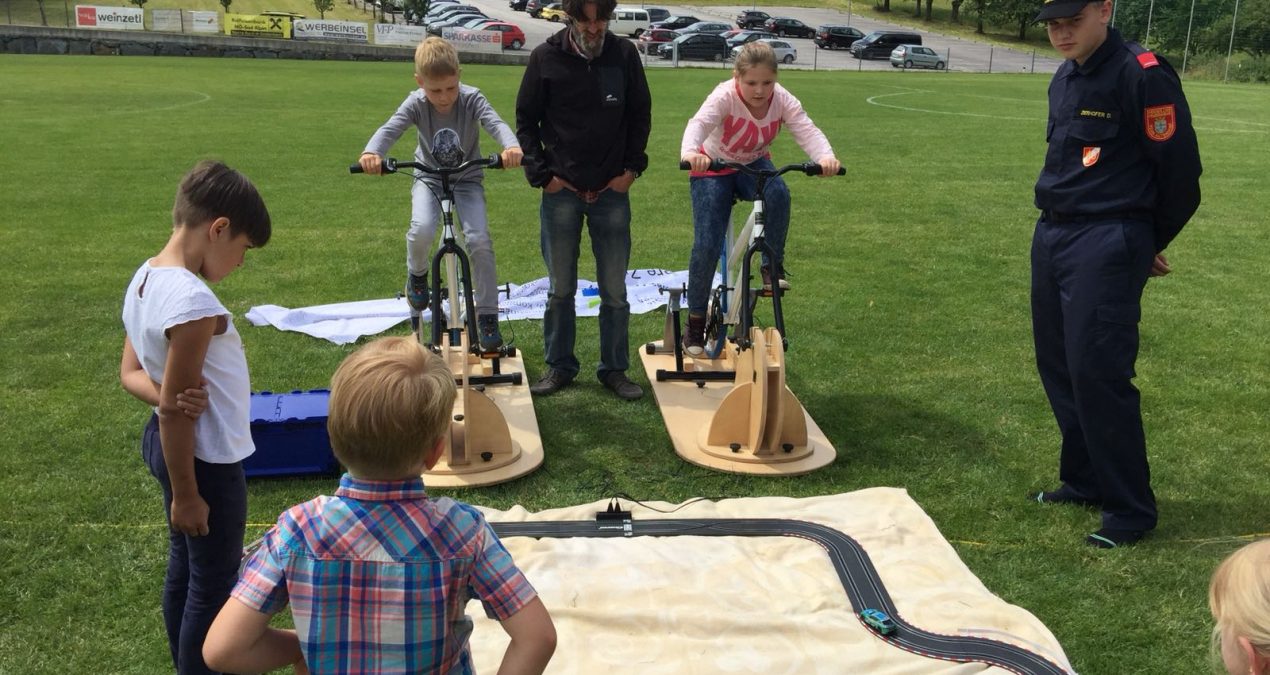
pixel 855 570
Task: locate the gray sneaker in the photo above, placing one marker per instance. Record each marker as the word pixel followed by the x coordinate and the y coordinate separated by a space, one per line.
pixel 491 339
pixel 617 381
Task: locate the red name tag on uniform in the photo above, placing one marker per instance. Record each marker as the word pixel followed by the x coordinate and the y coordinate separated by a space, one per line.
pixel 1160 122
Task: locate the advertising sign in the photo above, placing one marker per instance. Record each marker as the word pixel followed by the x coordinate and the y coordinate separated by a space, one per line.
pixel 341 31
pixel 114 18
pixel 254 25
pixel 474 40
pixel 201 22
pixel 399 34
pixel 165 20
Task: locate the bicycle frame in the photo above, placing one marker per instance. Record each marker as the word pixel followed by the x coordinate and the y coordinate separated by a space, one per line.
pixel 457 265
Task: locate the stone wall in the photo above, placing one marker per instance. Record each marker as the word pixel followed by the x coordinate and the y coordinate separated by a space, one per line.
pixel 42 40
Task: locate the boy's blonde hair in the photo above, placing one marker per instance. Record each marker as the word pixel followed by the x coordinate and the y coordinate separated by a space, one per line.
pixel 390 402
pixel 435 57
pixel 1239 597
pixel 752 55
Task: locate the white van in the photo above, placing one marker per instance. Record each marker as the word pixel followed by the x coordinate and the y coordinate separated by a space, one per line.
pixel 629 21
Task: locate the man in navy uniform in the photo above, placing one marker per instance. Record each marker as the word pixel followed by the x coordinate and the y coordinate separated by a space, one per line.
pixel 1121 178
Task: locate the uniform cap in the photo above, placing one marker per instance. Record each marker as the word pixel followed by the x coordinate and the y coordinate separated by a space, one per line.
pixel 1061 9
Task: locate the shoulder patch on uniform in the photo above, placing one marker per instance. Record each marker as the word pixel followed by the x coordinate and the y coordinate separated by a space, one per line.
pixel 1147 60
pixel 1160 121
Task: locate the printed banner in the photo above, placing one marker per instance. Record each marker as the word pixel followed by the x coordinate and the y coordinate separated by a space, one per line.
pixel 200 22
pixel 114 18
pixel 254 25
pixel 399 34
pixel 320 29
pixel 474 40
pixel 165 20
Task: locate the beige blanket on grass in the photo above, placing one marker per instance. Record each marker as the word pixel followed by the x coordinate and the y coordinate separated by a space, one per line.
pixel 762 605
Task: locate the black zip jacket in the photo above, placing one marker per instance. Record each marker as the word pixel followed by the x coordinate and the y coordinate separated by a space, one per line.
pixel 585 121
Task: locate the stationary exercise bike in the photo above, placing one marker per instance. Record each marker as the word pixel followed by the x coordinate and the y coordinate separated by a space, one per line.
pixel 758 426
pixel 480 438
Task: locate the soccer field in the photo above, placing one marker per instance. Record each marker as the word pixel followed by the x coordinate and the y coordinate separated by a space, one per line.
pixel 908 323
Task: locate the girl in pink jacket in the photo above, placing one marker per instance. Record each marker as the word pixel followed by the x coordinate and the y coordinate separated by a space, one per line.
pixel 737 123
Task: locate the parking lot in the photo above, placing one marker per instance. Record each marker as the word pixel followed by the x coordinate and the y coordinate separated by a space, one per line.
pixel 961 54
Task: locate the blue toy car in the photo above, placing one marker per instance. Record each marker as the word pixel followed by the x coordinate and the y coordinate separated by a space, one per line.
pixel 878 621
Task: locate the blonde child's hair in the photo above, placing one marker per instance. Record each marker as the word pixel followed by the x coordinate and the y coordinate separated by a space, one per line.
pixel 1239 597
pixel 435 57
pixel 752 55
pixel 390 402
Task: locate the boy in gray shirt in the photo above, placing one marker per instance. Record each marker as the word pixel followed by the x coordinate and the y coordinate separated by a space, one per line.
pixel 446 113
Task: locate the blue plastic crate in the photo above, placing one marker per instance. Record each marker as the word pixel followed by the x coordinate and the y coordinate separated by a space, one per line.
pixel 289 430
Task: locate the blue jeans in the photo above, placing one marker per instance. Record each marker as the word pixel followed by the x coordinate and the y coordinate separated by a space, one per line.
pixel 712 198
pixel 608 223
pixel 201 570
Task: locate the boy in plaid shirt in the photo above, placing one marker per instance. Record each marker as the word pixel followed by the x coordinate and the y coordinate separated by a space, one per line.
pixel 379 574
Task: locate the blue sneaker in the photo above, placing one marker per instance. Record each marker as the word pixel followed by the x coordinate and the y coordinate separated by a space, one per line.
pixel 417 291
pixel 491 339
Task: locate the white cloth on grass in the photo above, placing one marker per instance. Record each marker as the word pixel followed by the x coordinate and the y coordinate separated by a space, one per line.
pixel 346 322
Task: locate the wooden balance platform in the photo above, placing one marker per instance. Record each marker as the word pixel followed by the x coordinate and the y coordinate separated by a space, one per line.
pixel 752 424
pixel 494 434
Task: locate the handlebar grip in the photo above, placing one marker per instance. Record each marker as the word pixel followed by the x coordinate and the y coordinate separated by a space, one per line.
pixel 389 166
pixel 495 161
pixel 842 171
pixel 715 165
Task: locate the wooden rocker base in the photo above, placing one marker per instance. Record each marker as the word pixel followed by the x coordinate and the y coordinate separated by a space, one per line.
pixel 494 434
pixel 715 424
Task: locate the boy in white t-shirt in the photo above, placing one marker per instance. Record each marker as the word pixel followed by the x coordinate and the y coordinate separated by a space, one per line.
pixel 179 339
pixel 737 123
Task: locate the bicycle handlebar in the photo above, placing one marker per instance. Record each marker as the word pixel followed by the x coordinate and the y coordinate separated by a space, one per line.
pixel 494 161
pixel 809 168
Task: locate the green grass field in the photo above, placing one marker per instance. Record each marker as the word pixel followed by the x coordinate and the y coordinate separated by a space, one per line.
pixel 909 324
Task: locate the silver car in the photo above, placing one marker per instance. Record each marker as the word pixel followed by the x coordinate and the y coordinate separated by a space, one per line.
pixel 916 56
pixel 785 52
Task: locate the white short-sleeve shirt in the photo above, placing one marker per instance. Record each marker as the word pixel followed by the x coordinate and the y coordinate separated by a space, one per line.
pixel 159 298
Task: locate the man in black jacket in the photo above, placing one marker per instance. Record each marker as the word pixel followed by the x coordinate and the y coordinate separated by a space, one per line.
pixel 582 116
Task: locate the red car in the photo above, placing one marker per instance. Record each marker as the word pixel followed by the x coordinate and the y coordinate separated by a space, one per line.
pixel 648 40
pixel 513 36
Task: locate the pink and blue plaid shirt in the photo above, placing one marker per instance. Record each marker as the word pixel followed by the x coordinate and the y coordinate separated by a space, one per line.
pixel 378 577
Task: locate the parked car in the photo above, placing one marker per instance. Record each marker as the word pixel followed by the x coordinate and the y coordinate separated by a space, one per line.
pixel 748 36
pixel 880 43
pixel 831 36
pixel 553 12
pixel 676 22
pixel 436 11
pixel 532 7
pixel 515 5
pixel 436 27
pixel 785 52
pixel 712 27
pixel 649 40
pixel 751 18
pixel 783 25
pixel 656 14
pixel 513 36
pixel 629 21
pixel 700 46
pixel 916 56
